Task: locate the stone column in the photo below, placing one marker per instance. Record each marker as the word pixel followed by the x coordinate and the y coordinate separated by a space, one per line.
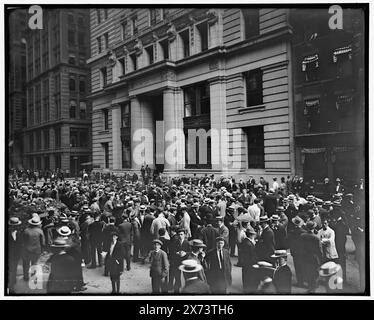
pixel 217 119
pixel 173 129
pixel 116 137
pixel 142 134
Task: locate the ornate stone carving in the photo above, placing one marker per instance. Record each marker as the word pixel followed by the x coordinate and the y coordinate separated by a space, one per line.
pixel 213 16
pixel 171 33
pixel 138 47
pixel 112 60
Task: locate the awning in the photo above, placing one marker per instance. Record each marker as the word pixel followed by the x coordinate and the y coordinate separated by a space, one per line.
pixel 311 106
pixel 344 149
pixel 313 150
pixel 341 51
pixel 343 100
pixel 313 59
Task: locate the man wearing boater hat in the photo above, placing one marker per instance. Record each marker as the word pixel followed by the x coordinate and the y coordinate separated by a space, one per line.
pixel 33 242
pixel 193 284
pixel 14 250
pixel 282 278
pixel 312 255
pixel 266 244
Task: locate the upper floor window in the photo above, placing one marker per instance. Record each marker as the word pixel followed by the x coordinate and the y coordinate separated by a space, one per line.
pixel 165 48
pixel 98 42
pixel 106 119
pixel 106 40
pixel 152 17
pixel 202 29
pixel 251 22
pixel 122 66
pixel 253 84
pixel 197 100
pixel 342 57
pixel 82 85
pixel 125 115
pixel 134 25
pixel 98 17
pixel 255 147
pixel 72 83
pixel 82 110
pixel 185 40
pixel 310 65
pixel 103 74
pixel 149 51
pixel 133 61
pixel 73 109
pixel 312 112
pixel 123 30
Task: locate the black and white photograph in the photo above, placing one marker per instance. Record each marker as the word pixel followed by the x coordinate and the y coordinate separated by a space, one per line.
pixel 186 149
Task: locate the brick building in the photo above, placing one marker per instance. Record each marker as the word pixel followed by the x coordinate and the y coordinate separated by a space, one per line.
pixel 225 70
pixel 58 114
pixel 329 95
pixel 16 86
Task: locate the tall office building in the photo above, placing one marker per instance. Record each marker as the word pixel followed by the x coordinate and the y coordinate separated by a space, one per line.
pixel 162 78
pixel 58 128
pixel 16 86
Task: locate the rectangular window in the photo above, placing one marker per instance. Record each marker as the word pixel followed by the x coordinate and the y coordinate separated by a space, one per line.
pixel 106 154
pixel 57 138
pixel 98 42
pixel 134 26
pixel 133 61
pixel 253 80
pixel 185 39
pixel 71 37
pixel 197 100
pixel 80 20
pixel 123 30
pixel 82 110
pixel 310 66
pixel 125 115
pixel 152 16
pixel 251 22
pixel 122 64
pixel 98 17
pixel 78 138
pixel 81 39
pixel 165 48
pixel 82 85
pixel 149 51
pixel 73 109
pixel 203 32
pixel 106 119
pixel 103 77
pixel 72 83
pixel 46 139
pixel 255 149
pixel 106 40
pixel 106 11
pixel 57 106
pixel 126 153
pixel 71 59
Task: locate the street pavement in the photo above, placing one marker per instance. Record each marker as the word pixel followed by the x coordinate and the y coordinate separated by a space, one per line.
pixel 137 280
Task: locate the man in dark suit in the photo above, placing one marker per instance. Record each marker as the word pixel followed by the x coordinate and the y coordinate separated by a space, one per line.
pixel 270 203
pixel 196 223
pixel 159 268
pixel 178 250
pixel 125 231
pixel 219 268
pixel 146 232
pixel 280 233
pixel 223 231
pixel 15 250
pixel 193 284
pixel 312 255
pixel 248 259
pixel 95 234
pixel 61 278
pixel 282 278
pixel 266 244
pixel 296 249
pixel 209 234
pixel 197 253
pixel 114 261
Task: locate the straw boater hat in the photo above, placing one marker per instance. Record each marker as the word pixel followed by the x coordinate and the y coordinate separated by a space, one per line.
pixel 190 265
pixel 264 219
pixel 297 221
pixel 14 221
pixel 64 231
pixel 35 220
pixel 59 243
pixel 275 217
pixel 328 269
pixel 279 253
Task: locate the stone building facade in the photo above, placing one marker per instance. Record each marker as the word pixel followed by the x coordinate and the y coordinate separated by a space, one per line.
pixel 160 77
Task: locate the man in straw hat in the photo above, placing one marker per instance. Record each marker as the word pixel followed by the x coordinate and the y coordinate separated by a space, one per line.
pixel 197 253
pixel 296 248
pixel 330 273
pixel 248 259
pixel 266 244
pixel 193 284
pixel 312 255
pixel 61 278
pixel 33 242
pixel 282 278
pixel 14 250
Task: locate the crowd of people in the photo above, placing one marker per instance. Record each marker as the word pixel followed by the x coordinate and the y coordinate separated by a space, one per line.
pixel 187 230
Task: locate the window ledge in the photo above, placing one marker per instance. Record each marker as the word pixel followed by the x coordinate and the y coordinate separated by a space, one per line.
pixel 103 131
pixel 260 107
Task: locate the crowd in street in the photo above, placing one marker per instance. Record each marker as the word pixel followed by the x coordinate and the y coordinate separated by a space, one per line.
pixel 186 230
